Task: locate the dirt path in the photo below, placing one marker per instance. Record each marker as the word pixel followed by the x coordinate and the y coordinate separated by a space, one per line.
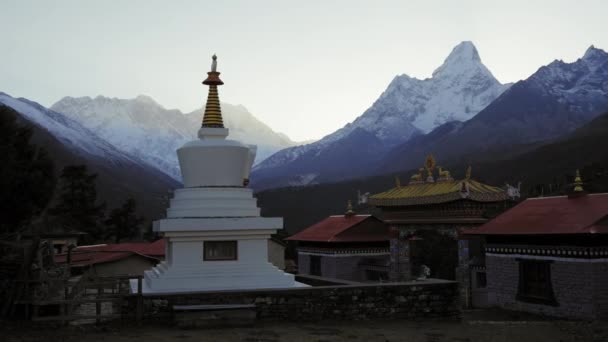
pixel 438 331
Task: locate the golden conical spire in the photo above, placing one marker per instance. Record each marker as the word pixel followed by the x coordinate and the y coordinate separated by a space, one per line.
pixel 213 111
pixel 578 182
pixel 349 209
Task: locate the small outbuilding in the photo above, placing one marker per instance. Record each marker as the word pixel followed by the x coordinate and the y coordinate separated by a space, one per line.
pixel 114 259
pixel 349 247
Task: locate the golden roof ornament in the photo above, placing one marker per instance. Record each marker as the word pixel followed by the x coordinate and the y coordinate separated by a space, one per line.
pixel 468 173
pixel 444 175
pixel 349 209
pixel 213 112
pixel 578 182
pixel 417 177
pixel 397 182
pixel 429 165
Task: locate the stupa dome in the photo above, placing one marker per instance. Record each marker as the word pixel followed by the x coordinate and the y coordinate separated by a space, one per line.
pixel 213 161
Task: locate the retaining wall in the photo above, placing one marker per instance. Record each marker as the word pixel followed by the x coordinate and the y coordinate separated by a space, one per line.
pixel 411 300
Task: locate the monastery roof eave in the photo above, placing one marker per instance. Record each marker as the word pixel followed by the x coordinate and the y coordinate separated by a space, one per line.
pixel 438 192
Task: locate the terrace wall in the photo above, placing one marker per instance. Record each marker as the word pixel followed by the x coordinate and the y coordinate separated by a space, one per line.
pixel 411 300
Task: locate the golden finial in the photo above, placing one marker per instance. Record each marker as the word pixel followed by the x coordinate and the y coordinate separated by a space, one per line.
pixel 349 209
pixel 213 111
pixel 397 182
pixel 468 174
pixel 578 182
pixel 429 165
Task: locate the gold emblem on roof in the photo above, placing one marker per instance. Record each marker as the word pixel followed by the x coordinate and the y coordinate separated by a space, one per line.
pixel 429 163
pixel 578 182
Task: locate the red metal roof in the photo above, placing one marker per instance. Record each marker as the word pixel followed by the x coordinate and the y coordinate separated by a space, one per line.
pixel 551 215
pixel 338 229
pixel 97 254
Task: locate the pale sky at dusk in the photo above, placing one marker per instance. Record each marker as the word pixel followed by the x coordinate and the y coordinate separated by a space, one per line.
pixel 305 68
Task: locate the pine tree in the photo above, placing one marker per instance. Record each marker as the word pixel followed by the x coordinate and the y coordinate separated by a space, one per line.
pixel 27 179
pixel 123 222
pixel 77 207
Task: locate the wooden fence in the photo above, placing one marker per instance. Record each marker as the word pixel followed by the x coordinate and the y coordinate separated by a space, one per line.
pixel 97 290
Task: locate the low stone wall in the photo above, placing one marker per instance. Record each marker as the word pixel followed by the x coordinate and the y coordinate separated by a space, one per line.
pixel 411 300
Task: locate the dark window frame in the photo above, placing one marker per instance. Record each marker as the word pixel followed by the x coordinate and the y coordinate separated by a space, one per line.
pixel 481 280
pixel 535 284
pixel 206 247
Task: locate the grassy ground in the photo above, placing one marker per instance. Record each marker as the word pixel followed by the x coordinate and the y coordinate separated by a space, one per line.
pixel 475 326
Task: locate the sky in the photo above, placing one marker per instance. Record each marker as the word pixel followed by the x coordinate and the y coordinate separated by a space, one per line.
pixel 305 68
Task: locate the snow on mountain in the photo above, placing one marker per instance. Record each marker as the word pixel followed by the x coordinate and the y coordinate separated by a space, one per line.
pixel 70 132
pixel 581 83
pixel 460 88
pixel 554 101
pixel 145 129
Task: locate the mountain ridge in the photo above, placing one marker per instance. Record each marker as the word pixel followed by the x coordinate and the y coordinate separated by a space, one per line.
pixel 68 143
pixel 143 127
pixel 459 88
pixel 554 101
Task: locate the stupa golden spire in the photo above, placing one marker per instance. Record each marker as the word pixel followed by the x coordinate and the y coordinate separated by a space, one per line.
pixel 349 209
pixel 213 111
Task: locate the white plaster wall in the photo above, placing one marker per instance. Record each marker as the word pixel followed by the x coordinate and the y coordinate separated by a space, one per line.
pixel 213 162
pixel 187 252
pixel 276 254
pixel 250 250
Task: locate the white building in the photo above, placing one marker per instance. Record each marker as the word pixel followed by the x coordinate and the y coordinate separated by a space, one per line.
pixel 216 239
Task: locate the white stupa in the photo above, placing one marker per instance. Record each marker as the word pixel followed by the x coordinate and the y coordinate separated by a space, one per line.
pixel 216 239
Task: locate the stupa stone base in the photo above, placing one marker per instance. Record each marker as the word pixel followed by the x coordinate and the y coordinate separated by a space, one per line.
pixel 217 277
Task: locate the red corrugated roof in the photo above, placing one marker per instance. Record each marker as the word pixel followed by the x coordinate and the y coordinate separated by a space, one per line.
pixel 97 254
pixel 334 229
pixel 551 215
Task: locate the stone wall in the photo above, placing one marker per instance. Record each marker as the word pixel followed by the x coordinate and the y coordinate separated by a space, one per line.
pixel 412 300
pixel 580 287
pixel 303 263
pixel 599 278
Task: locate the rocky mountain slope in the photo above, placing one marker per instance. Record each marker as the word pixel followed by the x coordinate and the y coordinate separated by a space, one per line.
pixel 460 88
pixel 120 175
pixel 143 128
pixel 554 101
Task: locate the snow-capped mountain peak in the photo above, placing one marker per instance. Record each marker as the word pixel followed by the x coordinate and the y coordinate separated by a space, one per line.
pixel 463 58
pixel 594 58
pixel 460 88
pixel 147 130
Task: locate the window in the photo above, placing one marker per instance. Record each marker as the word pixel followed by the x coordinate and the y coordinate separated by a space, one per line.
pixel 480 280
pixel 315 265
pixel 535 282
pixel 219 250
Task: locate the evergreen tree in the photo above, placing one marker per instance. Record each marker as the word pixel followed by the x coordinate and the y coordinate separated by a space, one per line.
pixel 27 180
pixel 77 207
pixel 123 222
